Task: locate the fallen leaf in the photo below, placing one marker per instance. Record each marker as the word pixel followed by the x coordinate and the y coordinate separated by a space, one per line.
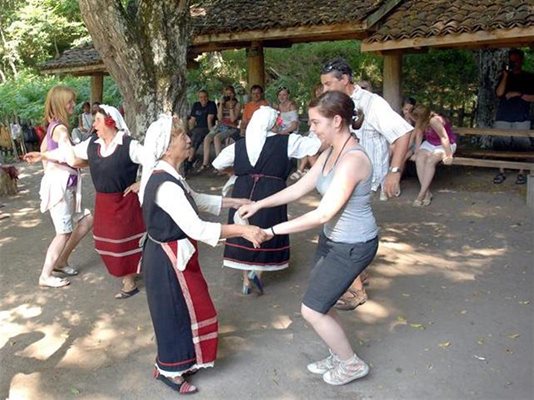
pixel 400 318
pixel 480 358
pixel 417 326
pixel 406 294
pixel 463 312
pixel 444 345
pixel 524 302
pixel 480 340
pixel 74 391
pixel 514 336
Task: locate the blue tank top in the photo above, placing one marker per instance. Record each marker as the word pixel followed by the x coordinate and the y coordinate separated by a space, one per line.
pixel 354 222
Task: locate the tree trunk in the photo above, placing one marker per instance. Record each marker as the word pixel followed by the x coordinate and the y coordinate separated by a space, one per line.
pixel 144 49
pixel 489 68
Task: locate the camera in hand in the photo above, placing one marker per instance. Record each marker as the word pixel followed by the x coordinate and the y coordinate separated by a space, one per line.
pixel 509 66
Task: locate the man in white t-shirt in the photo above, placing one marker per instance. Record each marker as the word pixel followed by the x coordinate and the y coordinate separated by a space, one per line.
pixel 382 127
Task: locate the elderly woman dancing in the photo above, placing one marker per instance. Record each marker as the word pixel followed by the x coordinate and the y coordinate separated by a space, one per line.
pixel 262 163
pixel 183 315
pixel 114 158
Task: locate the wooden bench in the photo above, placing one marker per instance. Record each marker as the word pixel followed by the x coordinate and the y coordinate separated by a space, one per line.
pixel 497 159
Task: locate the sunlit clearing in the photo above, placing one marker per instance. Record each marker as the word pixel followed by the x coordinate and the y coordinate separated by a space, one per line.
pixel 42 349
pixel 282 322
pixel 23 311
pixel 226 329
pixel 24 387
pixel 29 223
pixel 372 312
pixel 24 211
pixel 6 240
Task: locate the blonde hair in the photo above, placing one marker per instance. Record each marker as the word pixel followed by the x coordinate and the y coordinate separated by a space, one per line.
pixel 421 115
pixel 56 104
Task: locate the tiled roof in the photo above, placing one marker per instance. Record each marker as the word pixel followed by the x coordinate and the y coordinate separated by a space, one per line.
pixel 423 19
pixel 77 57
pixel 225 16
pixel 233 16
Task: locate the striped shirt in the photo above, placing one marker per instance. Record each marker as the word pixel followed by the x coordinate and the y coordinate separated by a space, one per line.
pixel 381 127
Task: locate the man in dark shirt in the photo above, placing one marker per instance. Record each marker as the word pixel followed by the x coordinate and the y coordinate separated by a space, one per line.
pixel 515 92
pixel 201 121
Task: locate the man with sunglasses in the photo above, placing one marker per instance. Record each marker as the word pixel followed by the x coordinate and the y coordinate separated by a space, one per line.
pixel 382 126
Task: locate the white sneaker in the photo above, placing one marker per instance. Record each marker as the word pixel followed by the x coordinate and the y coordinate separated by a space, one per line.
pixel 322 366
pixel 346 371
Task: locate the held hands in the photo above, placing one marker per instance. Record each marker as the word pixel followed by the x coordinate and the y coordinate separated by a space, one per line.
pixel 33 157
pixel 248 210
pixel 510 95
pixel 254 234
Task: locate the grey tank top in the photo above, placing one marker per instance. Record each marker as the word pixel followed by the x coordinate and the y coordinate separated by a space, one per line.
pixel 355 222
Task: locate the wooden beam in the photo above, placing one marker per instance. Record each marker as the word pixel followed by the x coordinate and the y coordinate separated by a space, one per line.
pixel 477 162
pixel 385 9
pixel 496 38
pixel 256 65
pixel 77 70
pixel 327 32
pixel 392 77
pixel 97 87
pixel 494 132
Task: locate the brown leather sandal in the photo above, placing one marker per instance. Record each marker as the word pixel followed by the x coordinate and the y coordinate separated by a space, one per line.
pixel 351 300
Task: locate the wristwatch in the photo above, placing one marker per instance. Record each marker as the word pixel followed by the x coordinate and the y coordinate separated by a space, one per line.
pixel 394 169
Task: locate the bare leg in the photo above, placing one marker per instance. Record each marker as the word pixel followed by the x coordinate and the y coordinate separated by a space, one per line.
pixel 82 228
pixel 207 143
pixel 429 169
pixel 330 331
pixel 52 254
pixel 217 143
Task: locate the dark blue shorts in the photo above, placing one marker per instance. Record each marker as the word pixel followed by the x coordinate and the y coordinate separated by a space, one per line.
pixel 336 267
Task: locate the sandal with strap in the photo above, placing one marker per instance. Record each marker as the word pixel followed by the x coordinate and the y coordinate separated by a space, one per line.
pixel 123 294
pixel 67 270
pixel 521 179
pixel 182 387
pixel 351 300
pixel 499 178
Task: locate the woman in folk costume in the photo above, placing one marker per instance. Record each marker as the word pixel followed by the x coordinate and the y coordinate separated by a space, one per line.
pixel 183 315
pixel 262 163
pixel 61 191
pixel 114 158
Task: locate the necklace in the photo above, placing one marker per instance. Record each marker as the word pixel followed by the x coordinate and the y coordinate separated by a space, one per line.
pixel 343 148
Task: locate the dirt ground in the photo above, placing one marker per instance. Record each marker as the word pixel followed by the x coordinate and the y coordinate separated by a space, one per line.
pixel 449 316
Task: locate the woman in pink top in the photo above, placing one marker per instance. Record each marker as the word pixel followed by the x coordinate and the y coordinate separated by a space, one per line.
pixel 439 145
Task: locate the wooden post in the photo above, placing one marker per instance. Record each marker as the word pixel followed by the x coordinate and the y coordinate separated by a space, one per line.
pixel 393 79
pixel 255 64
pixel 530 190
pixel 97 87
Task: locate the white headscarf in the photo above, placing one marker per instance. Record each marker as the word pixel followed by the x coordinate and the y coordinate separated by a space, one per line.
pixel 157 139
pixel 258 129
pixel 117 117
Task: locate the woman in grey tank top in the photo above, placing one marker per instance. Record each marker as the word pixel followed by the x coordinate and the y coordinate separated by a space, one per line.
pixel 348 241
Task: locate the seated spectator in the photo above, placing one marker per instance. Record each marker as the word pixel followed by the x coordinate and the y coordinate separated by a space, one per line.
pixel 439 145
pixel 408 103
pixel 515 91
pixel 228 111
pixel 85 124
pixel 288 113
pixel 256 101
pixel 201 122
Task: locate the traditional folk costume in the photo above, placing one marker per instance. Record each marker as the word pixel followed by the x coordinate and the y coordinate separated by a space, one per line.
pixel 262 162
pixel 118 219
pixel 182 312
